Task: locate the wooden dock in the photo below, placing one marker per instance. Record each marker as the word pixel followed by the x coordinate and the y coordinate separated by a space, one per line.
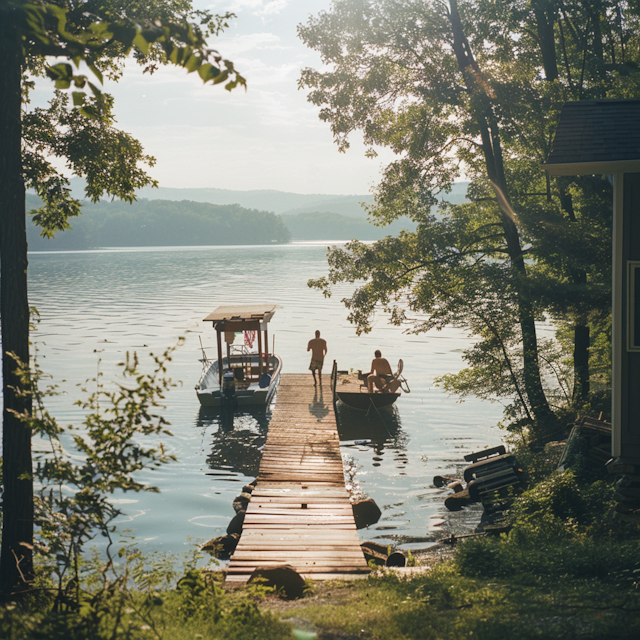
pixel 299 513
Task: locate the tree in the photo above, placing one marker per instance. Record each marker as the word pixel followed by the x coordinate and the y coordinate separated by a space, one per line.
pixel 101 35
pixel 477 85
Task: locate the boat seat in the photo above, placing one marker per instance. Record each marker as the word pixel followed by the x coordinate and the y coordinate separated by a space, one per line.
pixel 396 377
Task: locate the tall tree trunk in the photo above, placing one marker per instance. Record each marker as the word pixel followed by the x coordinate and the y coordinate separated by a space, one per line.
pixel 491 144
pixel 544 12
pixel 16 563
pixel 595 11
pixel 581 329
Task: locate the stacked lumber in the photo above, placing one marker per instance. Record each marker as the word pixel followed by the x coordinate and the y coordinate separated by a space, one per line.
pixel 493 478
pixel 596 434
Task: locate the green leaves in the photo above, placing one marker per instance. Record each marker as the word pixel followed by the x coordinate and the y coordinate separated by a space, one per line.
pixel 476 87
pixel 119 436
pixel 45 30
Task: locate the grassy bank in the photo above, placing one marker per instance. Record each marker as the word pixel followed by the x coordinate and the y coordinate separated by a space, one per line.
pixel 489 589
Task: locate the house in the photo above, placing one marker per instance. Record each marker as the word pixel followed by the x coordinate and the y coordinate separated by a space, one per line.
pixel 603 137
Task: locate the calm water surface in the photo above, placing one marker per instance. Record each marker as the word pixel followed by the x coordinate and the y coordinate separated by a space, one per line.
pixel 96 305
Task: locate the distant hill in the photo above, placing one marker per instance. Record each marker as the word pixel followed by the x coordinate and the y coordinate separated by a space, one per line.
pixel 322 225
pixel 344 220
pixel 263 200
pixel 270 200
pixel 204 216
pixel 160 223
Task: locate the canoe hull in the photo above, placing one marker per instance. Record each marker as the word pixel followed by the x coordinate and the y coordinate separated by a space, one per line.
pixel 366 401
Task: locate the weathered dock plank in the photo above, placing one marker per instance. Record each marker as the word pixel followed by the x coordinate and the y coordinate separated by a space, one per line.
pixel 299 512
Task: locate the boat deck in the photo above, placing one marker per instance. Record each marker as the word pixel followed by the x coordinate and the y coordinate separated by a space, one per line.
pixel 349 383
pixel 299 513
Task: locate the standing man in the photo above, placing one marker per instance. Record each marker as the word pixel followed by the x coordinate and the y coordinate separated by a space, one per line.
pixel 318 348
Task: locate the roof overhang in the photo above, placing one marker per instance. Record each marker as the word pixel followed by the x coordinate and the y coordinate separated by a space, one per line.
pixel 243 313
pixel 592 168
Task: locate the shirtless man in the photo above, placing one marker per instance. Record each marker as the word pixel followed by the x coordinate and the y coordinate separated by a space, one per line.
pixel 318 348
pixel 380 372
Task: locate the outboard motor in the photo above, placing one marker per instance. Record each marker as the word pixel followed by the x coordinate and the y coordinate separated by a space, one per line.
pixel 265 380
pixel 229 402
pixel 228 385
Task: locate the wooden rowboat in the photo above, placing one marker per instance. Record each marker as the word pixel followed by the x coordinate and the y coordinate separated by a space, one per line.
pixel 349 389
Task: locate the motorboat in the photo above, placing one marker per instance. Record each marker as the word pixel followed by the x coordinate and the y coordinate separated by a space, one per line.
pixel 247 375
pixel 350 388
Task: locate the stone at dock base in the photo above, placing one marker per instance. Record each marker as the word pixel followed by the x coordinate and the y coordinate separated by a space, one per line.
pixel 283 577
pixel 235 526
pixel 366 512
pixel 222 546
pixel 241 502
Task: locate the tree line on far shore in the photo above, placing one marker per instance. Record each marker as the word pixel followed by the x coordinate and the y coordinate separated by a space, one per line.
pixel 189 223
pixel 160 223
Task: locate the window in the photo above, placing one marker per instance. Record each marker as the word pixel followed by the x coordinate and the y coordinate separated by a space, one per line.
pixel 633 306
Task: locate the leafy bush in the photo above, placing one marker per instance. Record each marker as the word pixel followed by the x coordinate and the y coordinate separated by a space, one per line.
pixel 561 507
pixel 608 561
pixel 197 608
pixel 561 528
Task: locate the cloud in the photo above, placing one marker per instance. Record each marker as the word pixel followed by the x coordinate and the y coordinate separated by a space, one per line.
pixel 258 7
pixel 233 46
pixel 274 7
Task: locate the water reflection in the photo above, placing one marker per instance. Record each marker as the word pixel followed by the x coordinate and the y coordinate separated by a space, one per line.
pixel 380 432
pixel 237 440
pixel 383 426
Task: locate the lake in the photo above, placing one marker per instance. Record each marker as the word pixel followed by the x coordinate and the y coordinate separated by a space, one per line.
pixel 97 305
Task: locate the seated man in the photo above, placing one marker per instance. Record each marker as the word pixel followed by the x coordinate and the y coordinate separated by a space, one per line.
pixel 380 373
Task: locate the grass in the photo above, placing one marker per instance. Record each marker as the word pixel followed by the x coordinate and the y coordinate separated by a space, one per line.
pixel 500 588
pixel 445 603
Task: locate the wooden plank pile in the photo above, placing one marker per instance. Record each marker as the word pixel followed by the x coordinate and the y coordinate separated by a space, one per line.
pixel 299 512
pixel 493 478
pixel 596 436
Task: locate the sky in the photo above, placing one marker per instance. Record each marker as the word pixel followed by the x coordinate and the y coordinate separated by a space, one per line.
pixel 268 137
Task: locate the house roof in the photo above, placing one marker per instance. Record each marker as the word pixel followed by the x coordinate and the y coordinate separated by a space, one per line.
pixel 243 312
pixel 596 136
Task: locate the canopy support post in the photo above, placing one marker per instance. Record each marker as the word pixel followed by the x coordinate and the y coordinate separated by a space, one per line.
pixel 219 336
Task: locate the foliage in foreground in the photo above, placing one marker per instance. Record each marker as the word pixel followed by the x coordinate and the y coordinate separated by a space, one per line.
pixel 80 467
pixel 567 569
pixel 198 607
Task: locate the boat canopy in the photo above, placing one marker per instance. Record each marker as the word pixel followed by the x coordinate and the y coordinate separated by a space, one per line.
pixel 230 319
pixel 240 314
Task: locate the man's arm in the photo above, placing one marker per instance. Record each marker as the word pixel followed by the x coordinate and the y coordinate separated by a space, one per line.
pixel 325 348
pixel 309 346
